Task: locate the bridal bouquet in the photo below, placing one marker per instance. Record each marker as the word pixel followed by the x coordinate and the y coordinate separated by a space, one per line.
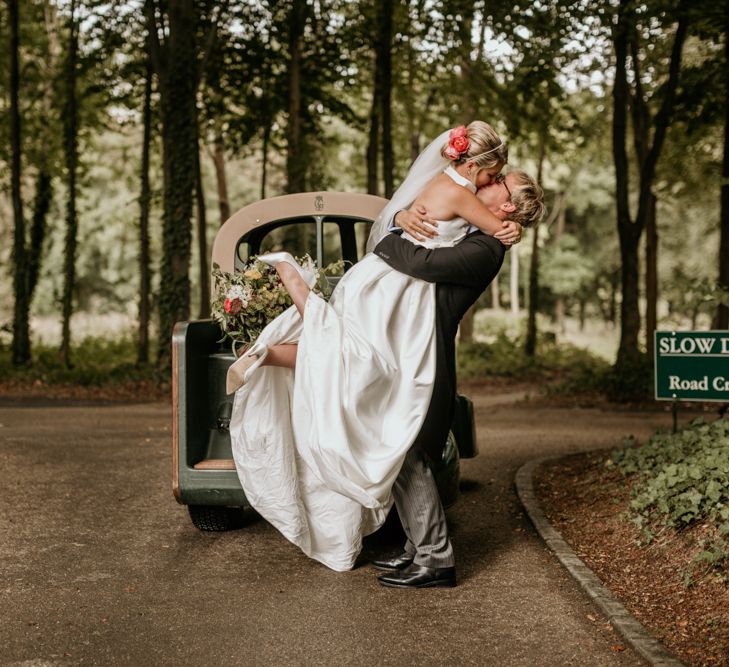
pixel 247 300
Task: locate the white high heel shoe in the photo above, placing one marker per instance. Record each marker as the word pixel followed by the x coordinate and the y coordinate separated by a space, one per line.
pixel 236 376
pixel 274 258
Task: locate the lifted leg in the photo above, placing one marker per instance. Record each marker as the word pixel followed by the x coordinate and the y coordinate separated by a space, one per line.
pixel 281 355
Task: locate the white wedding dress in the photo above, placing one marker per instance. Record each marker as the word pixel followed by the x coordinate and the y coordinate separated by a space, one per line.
pixel 317 451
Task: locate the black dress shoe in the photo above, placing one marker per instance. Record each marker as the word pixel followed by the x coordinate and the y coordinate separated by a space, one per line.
pixel 419 576
pixel 397 563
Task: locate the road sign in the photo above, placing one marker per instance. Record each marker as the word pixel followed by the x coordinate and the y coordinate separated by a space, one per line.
pixel 692 366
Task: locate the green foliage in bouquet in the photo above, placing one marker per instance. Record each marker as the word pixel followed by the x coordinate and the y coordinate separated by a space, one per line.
pixel 247 300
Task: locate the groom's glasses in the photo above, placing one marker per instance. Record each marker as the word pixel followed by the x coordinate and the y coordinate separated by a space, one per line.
pixel 501 180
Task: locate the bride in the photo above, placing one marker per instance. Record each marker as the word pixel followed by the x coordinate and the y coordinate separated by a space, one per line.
pixel 318 451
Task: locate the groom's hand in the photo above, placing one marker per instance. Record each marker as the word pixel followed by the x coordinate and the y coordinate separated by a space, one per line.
pixel 416 222
pixel 510 234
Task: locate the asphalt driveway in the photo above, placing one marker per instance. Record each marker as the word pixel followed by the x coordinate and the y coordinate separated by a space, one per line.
pixel 100 566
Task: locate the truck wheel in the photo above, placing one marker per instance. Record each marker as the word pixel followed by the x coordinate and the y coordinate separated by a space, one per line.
pixel 215 517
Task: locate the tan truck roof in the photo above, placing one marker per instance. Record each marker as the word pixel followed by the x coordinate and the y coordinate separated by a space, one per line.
pixel 351 204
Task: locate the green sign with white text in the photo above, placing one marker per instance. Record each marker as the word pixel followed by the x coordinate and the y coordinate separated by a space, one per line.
pixel 692 366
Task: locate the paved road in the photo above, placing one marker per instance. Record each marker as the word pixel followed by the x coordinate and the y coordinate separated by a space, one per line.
pixel 99 566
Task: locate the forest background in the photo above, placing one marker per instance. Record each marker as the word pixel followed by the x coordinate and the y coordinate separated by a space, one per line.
pixel 131 130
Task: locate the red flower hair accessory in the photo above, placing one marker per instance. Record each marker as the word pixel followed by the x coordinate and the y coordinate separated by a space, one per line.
pixel 458 143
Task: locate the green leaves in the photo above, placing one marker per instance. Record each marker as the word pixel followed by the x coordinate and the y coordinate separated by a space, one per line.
pixel 247 300
pixel 681 479
pixel 567 269
pixel 684 476
pixel 577 370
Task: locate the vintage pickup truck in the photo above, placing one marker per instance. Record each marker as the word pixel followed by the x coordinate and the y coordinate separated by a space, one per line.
pixel 329 226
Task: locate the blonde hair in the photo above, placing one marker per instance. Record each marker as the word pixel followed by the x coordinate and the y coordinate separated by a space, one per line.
pixel 528 199
pixel 486 148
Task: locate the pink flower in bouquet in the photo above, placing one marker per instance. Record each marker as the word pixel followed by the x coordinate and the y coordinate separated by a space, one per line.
pixel 235 306
pixel 247 300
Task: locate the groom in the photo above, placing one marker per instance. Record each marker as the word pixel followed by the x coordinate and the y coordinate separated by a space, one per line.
pixel 461 274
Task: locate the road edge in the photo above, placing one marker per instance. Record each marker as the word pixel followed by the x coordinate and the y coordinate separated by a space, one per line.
pixel 632 631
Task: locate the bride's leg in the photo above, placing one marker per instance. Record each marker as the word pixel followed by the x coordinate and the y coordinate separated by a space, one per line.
pixel 281 355
pixel 295 285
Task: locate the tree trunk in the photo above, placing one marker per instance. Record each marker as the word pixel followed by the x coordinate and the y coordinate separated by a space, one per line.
pixel 44 182
pixel 559 314
pixel 630 231
pixel 144 204
pixel 374 134
pixel 495 297
pixel 613 305
pixel 414 146
pixel 629 311
pixel 385 75
pixel 41 207
pixel 651 277
pixel 722 312
pixel 583 312
pixel 21 326
pixel 465 328
pixel 559 305
pixel 221 179
pixel 71 158
pixel 410 95
pixel 202 242
pixel 176 68
pixel 264 151
pixel 514 275
pixel 469 109
pixel 295 159
pixel 530 346
pixel 629 314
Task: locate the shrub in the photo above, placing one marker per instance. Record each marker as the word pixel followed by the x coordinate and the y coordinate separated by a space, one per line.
pixel 504 357
pixel 682 479
pixel 96 361
pixel 570 369
pixel 684 476
pixel 632 381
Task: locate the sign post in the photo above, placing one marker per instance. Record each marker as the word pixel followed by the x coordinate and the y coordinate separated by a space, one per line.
pixel 691 366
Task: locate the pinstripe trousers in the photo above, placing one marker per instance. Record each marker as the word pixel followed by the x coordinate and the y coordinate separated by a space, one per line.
pixel 421 512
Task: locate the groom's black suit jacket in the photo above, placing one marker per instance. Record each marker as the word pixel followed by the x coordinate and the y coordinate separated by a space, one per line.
pixel 461 274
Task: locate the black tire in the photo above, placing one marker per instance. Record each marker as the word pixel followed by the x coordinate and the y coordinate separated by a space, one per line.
pixel 215 518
